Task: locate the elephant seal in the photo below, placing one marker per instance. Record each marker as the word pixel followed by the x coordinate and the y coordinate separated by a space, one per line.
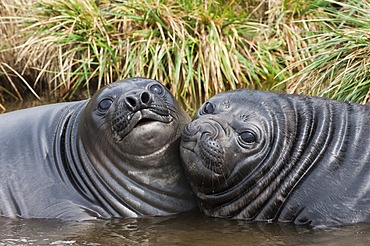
pixel 263 156
pixel 116 155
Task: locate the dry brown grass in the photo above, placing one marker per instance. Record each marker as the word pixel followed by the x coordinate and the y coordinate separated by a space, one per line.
pixel 192 47
pixel 196 48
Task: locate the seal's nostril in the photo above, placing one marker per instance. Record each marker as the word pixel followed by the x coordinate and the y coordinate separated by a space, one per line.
pixel 130 102
pixel 137 100
pixel 145 97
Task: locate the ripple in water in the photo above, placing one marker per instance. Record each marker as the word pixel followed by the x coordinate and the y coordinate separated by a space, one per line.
pixel 182 229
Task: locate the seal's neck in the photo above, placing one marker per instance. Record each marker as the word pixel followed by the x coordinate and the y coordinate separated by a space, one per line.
pixel 131 185
pixel 69 162
pixel 303 129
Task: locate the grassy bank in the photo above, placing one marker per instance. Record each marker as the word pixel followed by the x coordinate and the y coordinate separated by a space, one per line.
pixel 339 62
pixel 69 48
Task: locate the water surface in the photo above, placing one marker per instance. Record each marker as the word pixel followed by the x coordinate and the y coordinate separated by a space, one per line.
pixel 183 229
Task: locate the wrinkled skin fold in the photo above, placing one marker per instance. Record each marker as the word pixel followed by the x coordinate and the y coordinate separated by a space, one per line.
pixel 116 155
pixel 261 156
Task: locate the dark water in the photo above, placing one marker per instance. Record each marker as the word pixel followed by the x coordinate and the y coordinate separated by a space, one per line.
pixel 182 229
pixel 16 105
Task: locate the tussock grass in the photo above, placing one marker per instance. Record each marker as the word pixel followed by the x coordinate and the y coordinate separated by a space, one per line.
pixel 11 80
pixel 196 48
pixel 62 48
pixel 340 62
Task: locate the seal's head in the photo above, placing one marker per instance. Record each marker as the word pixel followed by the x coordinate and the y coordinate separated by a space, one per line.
pixel 228 140
pixel 140 115
pixel 130 133
pixel 225 140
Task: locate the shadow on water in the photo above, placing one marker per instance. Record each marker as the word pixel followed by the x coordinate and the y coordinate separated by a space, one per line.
pixel 182 229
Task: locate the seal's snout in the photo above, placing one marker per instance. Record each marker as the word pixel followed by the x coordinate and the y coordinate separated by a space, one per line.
pixel 196 131
pixel 189 133
pixel 201 139
pixel 139 108
pixel 137 100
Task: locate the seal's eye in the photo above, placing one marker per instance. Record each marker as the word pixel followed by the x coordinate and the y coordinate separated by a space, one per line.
pixel 247 137
pixel 105 104
pixel 157 89
pixel 208 108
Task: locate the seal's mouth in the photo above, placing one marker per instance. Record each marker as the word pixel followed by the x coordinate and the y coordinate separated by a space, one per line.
pixel 124 123
pixel 144 121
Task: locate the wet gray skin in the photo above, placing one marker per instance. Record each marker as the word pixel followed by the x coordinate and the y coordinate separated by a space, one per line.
pixel 116 155
pixel 261 156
